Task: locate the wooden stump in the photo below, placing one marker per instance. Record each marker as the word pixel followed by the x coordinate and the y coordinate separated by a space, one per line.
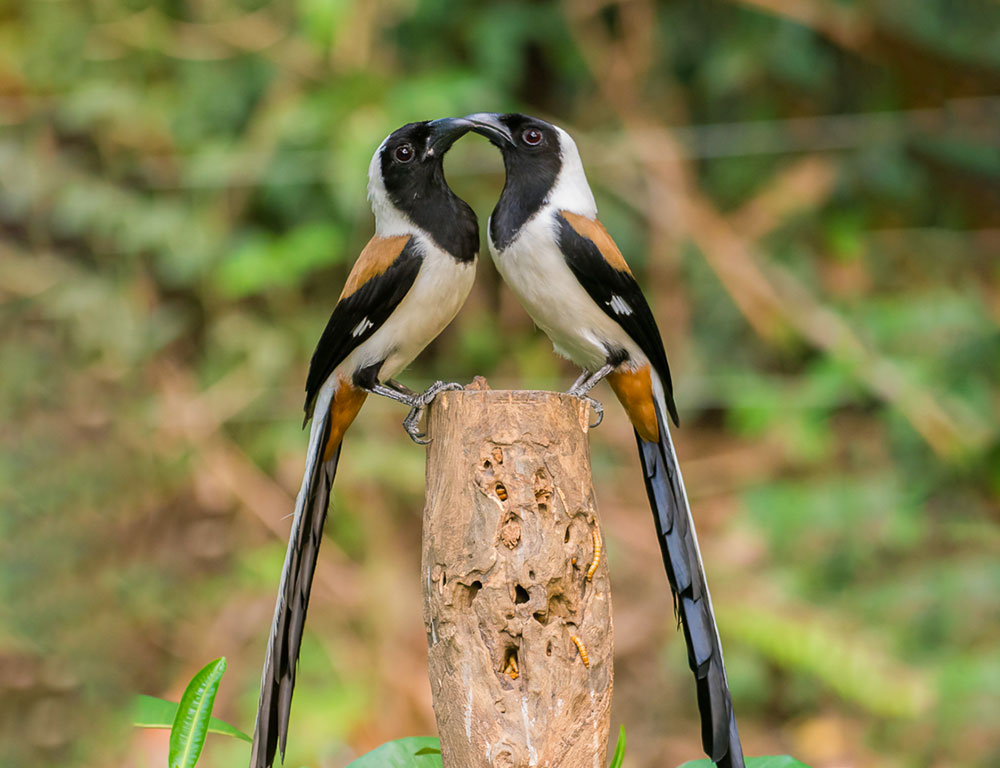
pixel 517 604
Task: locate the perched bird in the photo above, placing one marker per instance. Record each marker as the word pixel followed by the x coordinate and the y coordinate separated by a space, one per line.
pixel 408 283
pixel 570 276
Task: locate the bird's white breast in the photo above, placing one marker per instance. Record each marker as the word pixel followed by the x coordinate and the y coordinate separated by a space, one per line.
pixel 438 293
pixel 536 270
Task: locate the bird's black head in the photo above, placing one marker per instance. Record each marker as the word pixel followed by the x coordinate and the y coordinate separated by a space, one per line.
pixel 407 177
pixel 532 152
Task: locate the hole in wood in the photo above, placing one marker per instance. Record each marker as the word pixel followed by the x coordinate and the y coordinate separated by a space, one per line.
pixel 548 648
pixel 542 618
pixel 520 595
pixel 543 488
pixel 566 537
pixel 472 591
pixel 510 667
pixel 559 606
pixel 510 531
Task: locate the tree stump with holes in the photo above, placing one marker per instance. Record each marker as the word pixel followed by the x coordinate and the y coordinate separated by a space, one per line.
pixel 517 603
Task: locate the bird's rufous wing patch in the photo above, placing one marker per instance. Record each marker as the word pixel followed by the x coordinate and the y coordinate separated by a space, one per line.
pixel 375 259
pixel 596 262
pixel 594 231
pixel 377 285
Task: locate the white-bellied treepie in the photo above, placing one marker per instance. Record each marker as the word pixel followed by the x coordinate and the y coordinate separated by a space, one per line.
pixel 568 273
pixel 408 283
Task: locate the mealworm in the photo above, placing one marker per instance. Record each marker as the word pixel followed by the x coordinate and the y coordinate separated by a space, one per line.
pixel 511 668
pixel 582 649
pixel 597 555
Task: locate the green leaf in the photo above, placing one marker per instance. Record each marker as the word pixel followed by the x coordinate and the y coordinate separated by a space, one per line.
pixel 151 712
pixel 412 752
pixel 772 761
pixel 187 736
pixel 619 755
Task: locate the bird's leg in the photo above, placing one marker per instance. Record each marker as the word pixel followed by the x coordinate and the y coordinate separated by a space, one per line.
pixel 587 382
pixel 399 387
pixel 407 397
pixel 420 403
pixel 580 380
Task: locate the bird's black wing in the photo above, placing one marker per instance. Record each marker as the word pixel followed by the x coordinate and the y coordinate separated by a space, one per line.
pixel 381 277
pixel 362 312
pixel 598 264
pixel 618 294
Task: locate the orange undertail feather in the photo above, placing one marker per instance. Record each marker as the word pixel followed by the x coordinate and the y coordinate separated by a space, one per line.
pixel 344 407
pixel 635 391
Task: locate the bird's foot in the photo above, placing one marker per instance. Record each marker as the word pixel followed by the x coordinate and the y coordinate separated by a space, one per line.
pixel 419 405
pixel 597 408
pixel 595 405
pixel 587 382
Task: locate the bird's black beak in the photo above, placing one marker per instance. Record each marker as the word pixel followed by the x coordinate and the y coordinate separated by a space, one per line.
pixel 444 133
pixel 489 125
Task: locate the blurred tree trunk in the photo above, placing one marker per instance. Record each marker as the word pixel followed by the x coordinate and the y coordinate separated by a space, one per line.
pixel 517 603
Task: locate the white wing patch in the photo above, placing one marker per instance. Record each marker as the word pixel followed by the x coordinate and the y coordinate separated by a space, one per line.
pixel 364 325
pixel 619 305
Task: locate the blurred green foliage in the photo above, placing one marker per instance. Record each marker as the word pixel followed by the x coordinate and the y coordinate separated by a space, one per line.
pixel 809 190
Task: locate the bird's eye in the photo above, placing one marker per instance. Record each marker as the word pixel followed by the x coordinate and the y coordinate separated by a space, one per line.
pixel 532 137
pixel 404 153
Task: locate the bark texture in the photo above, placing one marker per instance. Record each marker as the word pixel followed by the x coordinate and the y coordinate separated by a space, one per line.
pixel 517 606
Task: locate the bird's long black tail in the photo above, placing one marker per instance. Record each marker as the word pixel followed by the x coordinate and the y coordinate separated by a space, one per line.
pixel 682 559
pixel 278 678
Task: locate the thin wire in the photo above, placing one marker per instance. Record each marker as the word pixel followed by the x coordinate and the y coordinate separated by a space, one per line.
pixel 970 119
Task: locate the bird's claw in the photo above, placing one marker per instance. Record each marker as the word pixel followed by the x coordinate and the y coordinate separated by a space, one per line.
pixel 598 410
pixel 420 403
pixel 410 425
pixel 595 405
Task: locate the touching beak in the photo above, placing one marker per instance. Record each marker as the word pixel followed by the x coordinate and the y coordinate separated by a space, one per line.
pixel 444 133
pixel 488 124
